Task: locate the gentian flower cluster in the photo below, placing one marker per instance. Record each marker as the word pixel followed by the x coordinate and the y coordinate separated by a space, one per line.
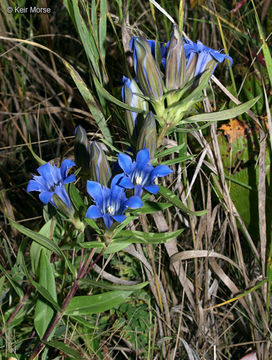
pixel 110 202
pixel 163 71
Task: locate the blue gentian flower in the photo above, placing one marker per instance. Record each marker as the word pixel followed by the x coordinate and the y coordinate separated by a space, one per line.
pixel 51 181
pixel 140 174
pixel 205 55
pixel 110 204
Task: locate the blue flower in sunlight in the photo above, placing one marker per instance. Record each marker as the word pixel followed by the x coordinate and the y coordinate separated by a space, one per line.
pixel 205 55
pixel 51 181
pixel 110 204
pixel 140 174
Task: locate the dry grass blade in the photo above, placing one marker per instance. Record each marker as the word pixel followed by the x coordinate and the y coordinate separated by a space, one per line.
pixel 171 248
pixel 192 254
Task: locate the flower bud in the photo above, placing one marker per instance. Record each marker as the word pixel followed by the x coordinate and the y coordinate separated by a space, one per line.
pixel 62 207
pixel 100 169
pixel 82 150
pixel 175 61
pixel 130 95
pixel 148 135
pixel 191 66
pixel 146 69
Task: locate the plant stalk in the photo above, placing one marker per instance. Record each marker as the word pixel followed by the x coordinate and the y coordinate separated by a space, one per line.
pixel 81 274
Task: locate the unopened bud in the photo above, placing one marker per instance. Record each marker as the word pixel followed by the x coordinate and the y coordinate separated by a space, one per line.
pixel 82 150
pixel 146 69
pixel 175 61
pixel 148 135
pixel 132 96
pixel 100 169
pixel 62 207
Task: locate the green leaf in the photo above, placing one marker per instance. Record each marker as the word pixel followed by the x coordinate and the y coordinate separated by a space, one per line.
pixel 177 160
pixel 93 224
pixel 92 244
pixel 113 247
pixel 64 348
pixel 90 101
pixel 103 28
pixel 139 237
pixel 45 242
pixel 36 157
pixel 150 207
pixel 266 51
pixel 86 323
pixel 41 290
pixel 43 311
pixel 86 36
pixel 113 99
pixel 170 196
pixel 35 248
pixel 75 197
pixel 13 283
pixel 108 286
pixel 222 115
pixel 169 151
pixel 95 304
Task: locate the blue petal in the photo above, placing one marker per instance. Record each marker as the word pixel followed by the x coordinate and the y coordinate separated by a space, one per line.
pixel 126 183
pixel 116 180
pixel 142 158
pixel 125 163
pixel 69 179
pixel 159 171
pixel 62 194
pixel 119 218
pixel 95 190
pixel 138 190
pixel 153 189
pixel 202 61
pixel 65 166
pixel 107 220
pixel 34 186
pixel 45 196
pixel 117 193
pixel 45 172
pixel 124 81
pixel 93 212
pixel 134 202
